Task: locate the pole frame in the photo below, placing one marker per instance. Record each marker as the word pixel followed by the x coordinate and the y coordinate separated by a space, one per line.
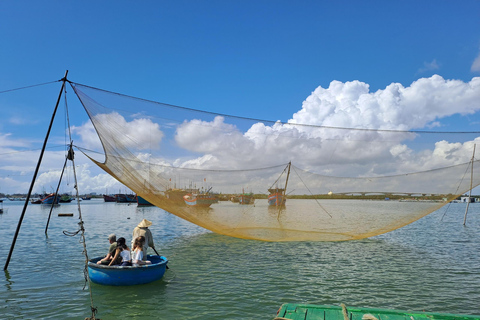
pixel 471 186
pixel 64 80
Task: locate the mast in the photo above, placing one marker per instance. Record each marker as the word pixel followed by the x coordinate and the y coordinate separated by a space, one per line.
pixel 286 182
pixel 471 184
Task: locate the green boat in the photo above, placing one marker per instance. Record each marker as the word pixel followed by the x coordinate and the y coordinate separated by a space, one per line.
pixel 292 311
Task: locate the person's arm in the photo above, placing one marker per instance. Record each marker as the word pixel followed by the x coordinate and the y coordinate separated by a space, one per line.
pixel 117 252
pixel 150 239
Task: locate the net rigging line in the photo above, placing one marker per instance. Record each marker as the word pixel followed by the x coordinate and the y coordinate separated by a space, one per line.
pixel 30 86
pixel 272 121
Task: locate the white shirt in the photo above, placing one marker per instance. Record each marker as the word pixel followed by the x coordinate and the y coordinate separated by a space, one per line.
pixel 137 256
pixel 125 254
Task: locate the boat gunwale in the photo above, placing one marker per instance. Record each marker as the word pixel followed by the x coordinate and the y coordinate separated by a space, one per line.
pixel 288 308
pixel 92 263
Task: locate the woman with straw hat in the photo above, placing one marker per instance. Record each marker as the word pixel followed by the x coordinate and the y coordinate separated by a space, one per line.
pixel 142 230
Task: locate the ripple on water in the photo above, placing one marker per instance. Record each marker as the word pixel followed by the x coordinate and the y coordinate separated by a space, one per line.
pixel 429 265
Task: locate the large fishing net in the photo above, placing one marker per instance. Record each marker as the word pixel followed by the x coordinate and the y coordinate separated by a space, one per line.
pixel 275 181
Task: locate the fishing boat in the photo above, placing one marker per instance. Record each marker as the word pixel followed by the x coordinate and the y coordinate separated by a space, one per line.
pixel 127 276
pixel 123 198
pixel 47 199
pixel 109 198
pixel 246 198
pixel 277 196
pixel 176 195
pixel 323 312
pixel 65 198
pixel 200 199
pixel 141 202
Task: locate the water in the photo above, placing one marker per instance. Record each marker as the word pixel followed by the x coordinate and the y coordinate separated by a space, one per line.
pixel 432 265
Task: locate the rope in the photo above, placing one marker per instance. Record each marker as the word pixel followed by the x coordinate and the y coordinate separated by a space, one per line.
pixel 81 230
pixel 458 187
pixel 316 200
pixel 31 86
pixel 344 312
pixel 74 84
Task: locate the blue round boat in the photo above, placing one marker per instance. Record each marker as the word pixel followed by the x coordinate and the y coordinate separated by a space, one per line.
pixel 127 276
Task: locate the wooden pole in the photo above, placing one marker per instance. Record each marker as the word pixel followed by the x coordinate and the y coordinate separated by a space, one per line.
pixel 286 182
pixel 471 184
pixel 35 174
pixel 56 193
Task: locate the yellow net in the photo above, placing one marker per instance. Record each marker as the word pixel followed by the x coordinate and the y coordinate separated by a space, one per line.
pixel 276 181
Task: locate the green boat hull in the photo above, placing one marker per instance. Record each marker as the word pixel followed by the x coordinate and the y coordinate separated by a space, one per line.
pixel 320 312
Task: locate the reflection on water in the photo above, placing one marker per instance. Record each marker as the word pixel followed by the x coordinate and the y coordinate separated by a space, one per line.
pixel 430 265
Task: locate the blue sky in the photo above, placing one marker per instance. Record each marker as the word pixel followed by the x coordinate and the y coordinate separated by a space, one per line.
pixel 258 59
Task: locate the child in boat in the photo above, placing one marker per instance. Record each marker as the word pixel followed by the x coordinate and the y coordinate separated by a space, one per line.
pixel 124 252
pixel 137 252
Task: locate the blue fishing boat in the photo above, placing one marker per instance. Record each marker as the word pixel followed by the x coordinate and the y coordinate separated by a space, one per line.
pixel 277 196
pixel 50 198
pixel 127 276
pixel 141 202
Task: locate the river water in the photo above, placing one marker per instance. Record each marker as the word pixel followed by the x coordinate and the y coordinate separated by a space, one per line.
pixel 430 265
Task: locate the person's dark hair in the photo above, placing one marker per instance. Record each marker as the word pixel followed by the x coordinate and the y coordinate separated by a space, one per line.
pixel 121 243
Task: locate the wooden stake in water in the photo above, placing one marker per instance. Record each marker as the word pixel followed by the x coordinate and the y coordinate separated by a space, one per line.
pixel 471 184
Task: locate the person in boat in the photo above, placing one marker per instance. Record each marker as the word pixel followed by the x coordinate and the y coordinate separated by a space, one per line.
pixel 137 252
pixel 142 230
pixel 111 250
pixel 122 251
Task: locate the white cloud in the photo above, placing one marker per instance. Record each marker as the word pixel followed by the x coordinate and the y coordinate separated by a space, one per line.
pixel 349 105
pixel 476 64
pixel 429 66
pixel 7 141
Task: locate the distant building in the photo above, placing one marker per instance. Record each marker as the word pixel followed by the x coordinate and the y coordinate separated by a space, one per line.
pixel 468 199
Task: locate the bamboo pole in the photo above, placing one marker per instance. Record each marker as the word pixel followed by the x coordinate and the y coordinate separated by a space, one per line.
pixel 35 175
pixel 471 184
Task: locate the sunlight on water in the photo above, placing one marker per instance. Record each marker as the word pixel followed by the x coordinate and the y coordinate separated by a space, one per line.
pixel 432 265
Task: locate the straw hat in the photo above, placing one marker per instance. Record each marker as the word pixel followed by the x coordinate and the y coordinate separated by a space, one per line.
pixel 144 224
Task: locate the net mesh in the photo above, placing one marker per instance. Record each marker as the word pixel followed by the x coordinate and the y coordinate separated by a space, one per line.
pixel 276 181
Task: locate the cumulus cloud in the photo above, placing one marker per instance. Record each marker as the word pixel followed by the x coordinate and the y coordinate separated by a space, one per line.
pixel 352 105
pixel 312 140
pixel 141 133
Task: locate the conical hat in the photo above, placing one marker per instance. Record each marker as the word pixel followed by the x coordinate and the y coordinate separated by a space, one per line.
pixel 144 224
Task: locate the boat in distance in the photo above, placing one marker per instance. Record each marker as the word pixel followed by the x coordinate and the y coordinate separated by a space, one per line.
pixel 127 276
pixel 141 202
pixel 277 197
pixel 199 200
pixel 47 199
pixel 324 312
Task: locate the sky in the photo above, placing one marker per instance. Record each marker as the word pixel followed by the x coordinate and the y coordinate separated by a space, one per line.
pixel 407 65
